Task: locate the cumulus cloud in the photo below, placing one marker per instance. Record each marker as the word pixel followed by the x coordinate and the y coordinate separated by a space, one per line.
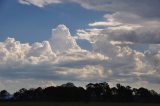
pixel 127 27
pixel 62 40
pixel 88 34
pixel 39 3
pixel 14 52
pixel 126 23
pixel 45 63
pixel 58 59
pixel 112 38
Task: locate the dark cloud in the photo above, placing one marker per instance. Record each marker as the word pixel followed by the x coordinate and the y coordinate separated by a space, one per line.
pixel 147 37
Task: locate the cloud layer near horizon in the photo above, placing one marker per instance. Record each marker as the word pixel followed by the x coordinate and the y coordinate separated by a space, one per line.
pixel 62 59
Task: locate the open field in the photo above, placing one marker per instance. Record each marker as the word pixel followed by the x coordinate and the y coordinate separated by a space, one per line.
pixel 74 104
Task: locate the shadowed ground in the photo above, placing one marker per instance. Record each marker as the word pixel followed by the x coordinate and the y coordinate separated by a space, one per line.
pixel 74 104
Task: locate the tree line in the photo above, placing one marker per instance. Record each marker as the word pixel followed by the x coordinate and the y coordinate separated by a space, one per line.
pixel 93 92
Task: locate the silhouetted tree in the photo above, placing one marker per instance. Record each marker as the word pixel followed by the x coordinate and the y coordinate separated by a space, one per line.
pixel 93 92
pixel 4 95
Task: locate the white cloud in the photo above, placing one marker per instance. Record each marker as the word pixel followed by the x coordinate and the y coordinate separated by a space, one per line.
pixel 107 62
pixel 109 23
pixel 62 40
pixel 124 27
pixel 49 60
pixel 126 65
pixel 89 34
pixel 140 24
pixel 39 3
pixel 38 61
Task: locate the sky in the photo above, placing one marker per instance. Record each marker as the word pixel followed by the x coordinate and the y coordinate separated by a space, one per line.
pixel 50 42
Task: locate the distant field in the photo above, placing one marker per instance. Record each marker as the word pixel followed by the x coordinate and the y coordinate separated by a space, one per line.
pixel 74 104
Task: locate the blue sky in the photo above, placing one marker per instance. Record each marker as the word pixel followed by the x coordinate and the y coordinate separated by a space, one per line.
pixel 31 23
pixel 116 41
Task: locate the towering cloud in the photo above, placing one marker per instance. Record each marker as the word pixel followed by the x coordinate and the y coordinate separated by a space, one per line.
pixel 60 58
pixel 62 40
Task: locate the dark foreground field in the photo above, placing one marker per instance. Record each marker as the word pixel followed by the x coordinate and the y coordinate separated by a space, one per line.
pixel 74 104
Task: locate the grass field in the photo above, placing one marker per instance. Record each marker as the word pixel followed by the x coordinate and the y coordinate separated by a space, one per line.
pixel 74 104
